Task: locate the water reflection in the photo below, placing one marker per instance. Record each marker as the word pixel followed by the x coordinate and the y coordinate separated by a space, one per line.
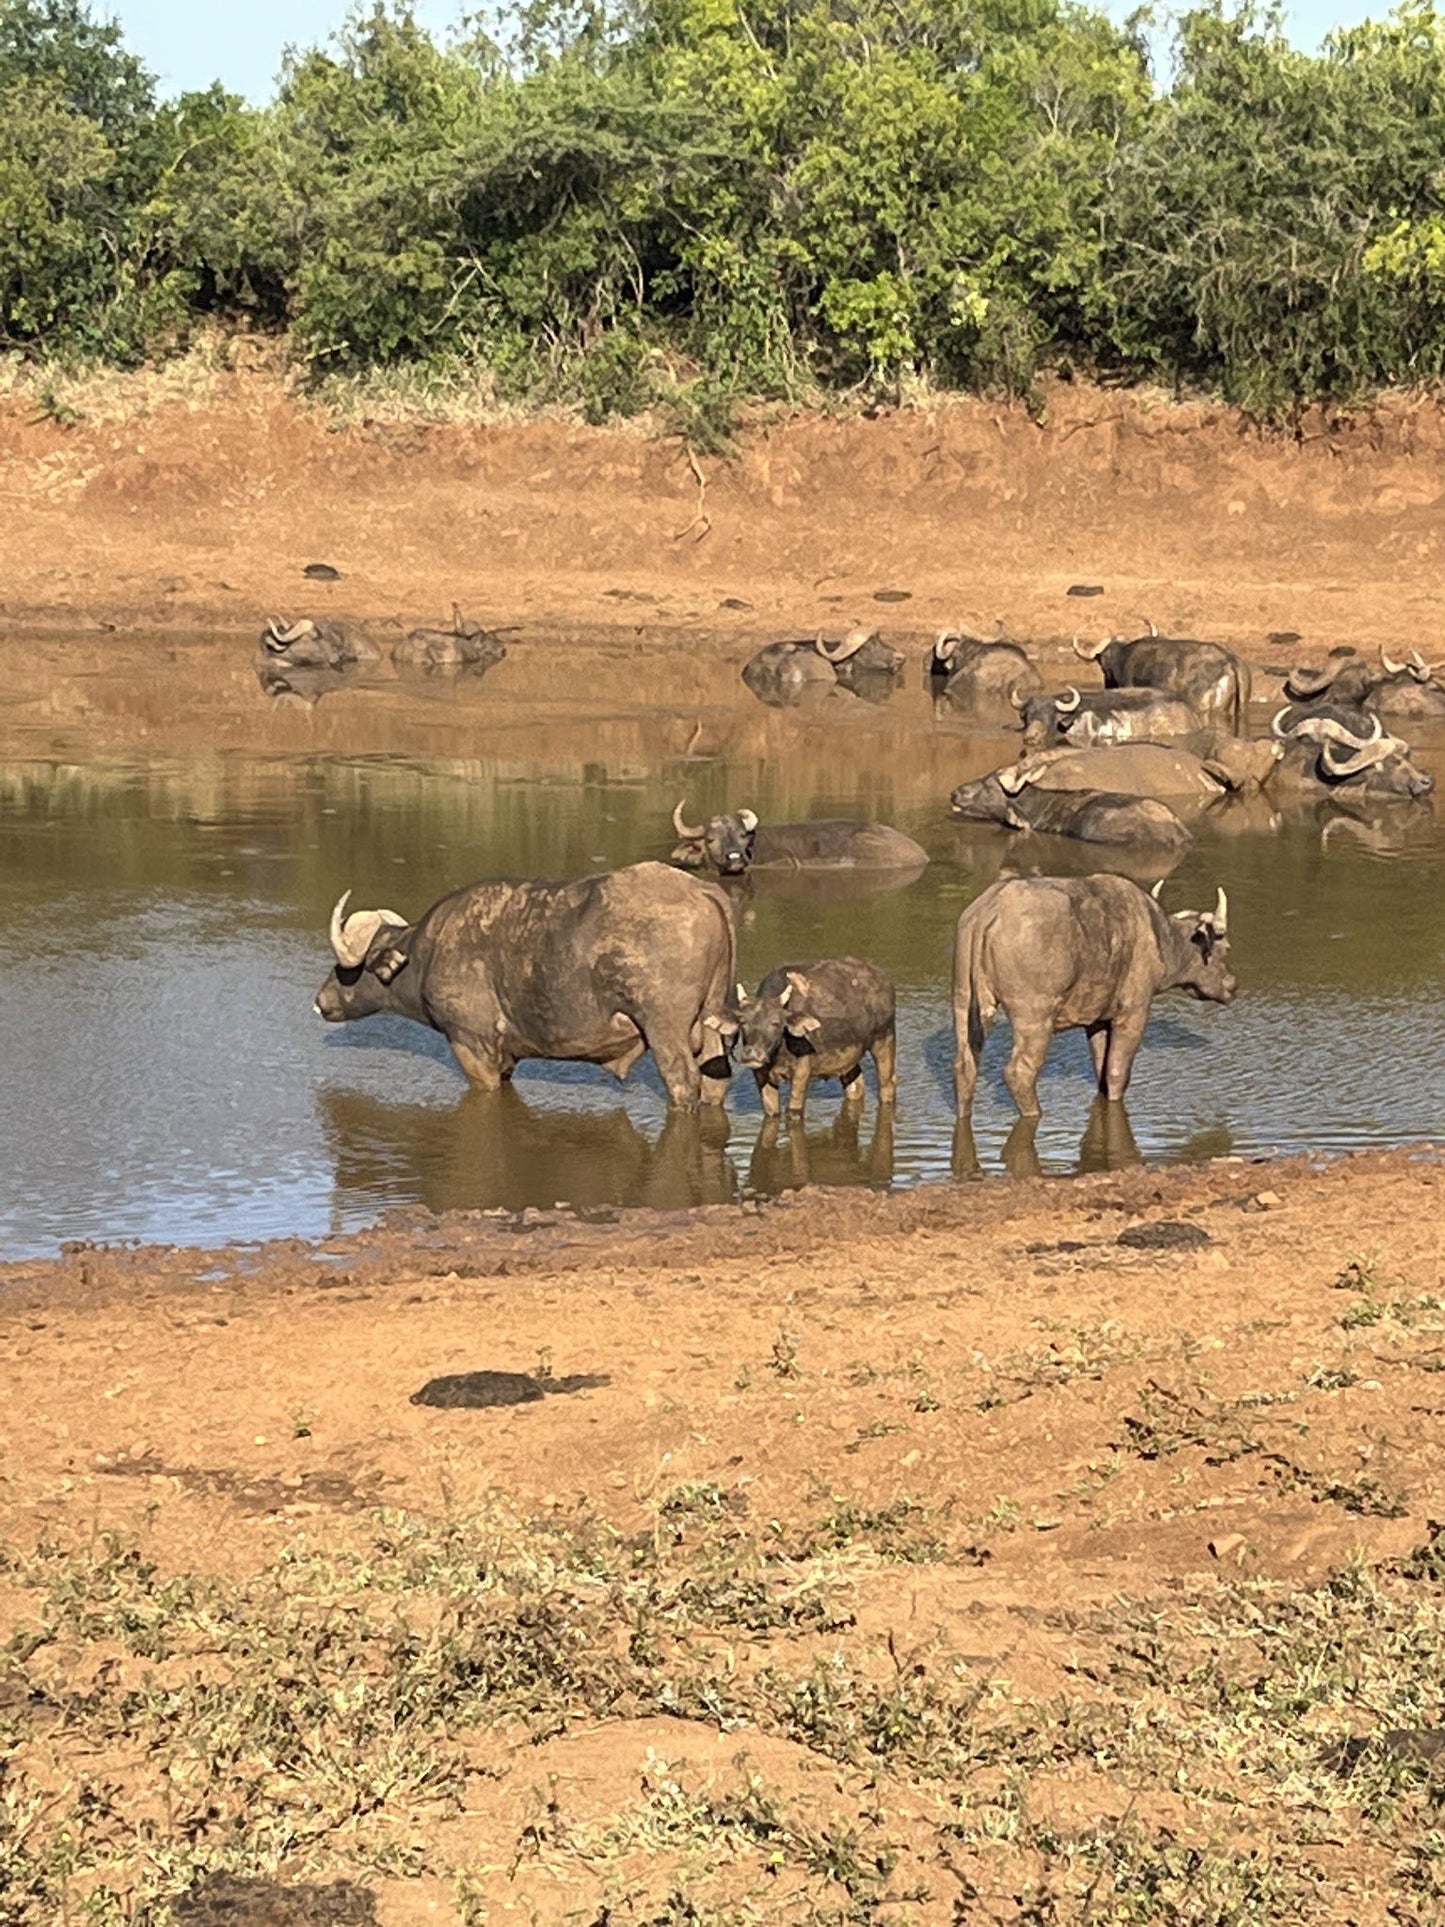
pixel 496 1150
pixel 1108 1144
pixel 787 1156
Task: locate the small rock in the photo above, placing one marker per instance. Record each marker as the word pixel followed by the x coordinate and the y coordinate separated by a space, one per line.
pixel 1085 588
pixel 321 572
pixel 1227 1545
pixel 1267 1200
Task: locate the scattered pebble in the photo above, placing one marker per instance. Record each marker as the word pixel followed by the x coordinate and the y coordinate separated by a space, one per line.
pixel 321 572
pixel 1085 588
pixel 1227 1545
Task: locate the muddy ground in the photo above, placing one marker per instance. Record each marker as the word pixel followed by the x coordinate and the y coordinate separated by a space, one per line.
pixel 1018 1552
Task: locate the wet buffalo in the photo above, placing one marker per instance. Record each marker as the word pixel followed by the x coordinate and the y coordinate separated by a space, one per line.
pixel 735 843
pixel 1070 953
pixel 862 661
pixel 466 645
pixel 1346 759
pixel 1409 687
pixel 315 644
pixel 1104 716
pixel 1012 798
pixel 973 673
pixel 1209 677
pixel 1163 771
pixel 598 971
pixel 807 1021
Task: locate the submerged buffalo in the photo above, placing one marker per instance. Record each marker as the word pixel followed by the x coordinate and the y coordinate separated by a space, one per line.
pixel 1104 716
pixel 807 1021
pixel 1209 677
pixel 1163 771
pixel 734 843
pixel 466 645
pixel 1070 953
pixel 974 673
pixel 1346 758
pixel 1409 687
pixel 315 644
pixel 781 671
pixel 598 971
pixel 1012 798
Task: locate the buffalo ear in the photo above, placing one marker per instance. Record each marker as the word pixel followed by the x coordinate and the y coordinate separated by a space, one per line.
pixel 724 1026
pixel 804 1026
pixel 388 965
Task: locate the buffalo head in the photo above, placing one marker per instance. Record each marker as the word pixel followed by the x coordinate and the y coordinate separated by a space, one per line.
pixel 723 842
pixel 368 961
pixel 861 652
pixel 990 799
pixel 1201 944
pixel 1366 760
pixel 756 1026
pixel 1046 718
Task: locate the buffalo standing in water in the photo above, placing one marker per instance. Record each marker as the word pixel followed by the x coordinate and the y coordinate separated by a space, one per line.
pixel 597 972
pixel 1209 677
pixel 1067 953
pixel 816 1020
pixel 734 843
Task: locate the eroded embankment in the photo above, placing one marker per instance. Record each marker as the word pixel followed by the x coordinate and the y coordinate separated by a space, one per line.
pixel 202 510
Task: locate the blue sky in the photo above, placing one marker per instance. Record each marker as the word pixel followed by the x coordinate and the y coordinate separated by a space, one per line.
pixel 189 45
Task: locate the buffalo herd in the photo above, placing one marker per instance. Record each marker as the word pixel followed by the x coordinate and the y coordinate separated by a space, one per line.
pixel 643 958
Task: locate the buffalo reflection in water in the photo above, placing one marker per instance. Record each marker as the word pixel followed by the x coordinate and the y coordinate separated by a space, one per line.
pixel 492 1150
pixel 1108 1144
pixel 787 1159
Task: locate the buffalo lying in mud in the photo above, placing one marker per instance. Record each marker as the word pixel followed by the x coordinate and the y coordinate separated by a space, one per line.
pixel 466 645
pixel 807 1021
pixel 735 843
pixel 312 644
pixel 1209 677
pixel 1068 953
pixel 1345 758
pixel 598 971
pixel 781 671
pixel 1160 770
pixel 1012 798
pixel 1105 716
pixel 1405 688
pixel 973 673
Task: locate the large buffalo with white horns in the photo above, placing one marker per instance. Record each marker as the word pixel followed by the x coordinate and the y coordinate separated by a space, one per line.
pixel 1408 687
pixel 1076 953
pixel 1209 677
pixel 312 643
pixel 598 971
pixel 739 841
pixel 1346 755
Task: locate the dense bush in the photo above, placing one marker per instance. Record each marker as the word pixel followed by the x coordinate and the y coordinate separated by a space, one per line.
pixel 699 199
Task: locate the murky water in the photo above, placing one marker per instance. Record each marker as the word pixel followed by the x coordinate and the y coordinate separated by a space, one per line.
pixel 162 934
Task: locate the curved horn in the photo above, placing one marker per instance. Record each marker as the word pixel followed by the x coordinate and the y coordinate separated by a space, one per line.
pixel 1068 707
pixel 1419 668
pixel 1156 892
pixel 1282 735
pixel 274 628
pixel 945 646
pixel 1364 755
pixel 459 627
pixel 684 829
pixel 742 992
pixel 1389 664
pixel 353 936
pixel 748 819
pixel 1324 729
pixel 304 626
pixel 1221 910
pixel 1303 683
pixel 1086 654
pixel 1018 697
pixel 848 647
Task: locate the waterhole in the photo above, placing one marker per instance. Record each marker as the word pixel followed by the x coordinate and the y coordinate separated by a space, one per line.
pixel 172 840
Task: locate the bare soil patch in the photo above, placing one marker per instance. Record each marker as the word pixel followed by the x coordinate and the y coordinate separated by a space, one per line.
pixel 996 1552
